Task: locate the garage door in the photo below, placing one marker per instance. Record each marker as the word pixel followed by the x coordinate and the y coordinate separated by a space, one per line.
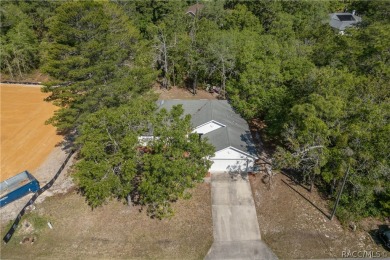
pixel 229 165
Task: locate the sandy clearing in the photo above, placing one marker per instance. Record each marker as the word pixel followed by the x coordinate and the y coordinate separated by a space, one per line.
pixel 25 139
pixel 182 93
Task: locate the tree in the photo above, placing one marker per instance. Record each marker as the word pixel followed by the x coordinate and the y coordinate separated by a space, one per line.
pixel 115 165
pixel 178 160
pixel 163 47
pixel 96 55
pixel 258 84
pixel 307 16
pixel 168 37
pixel 338 125
pixel 37 12
pixel 19 51
pixel 372 11
pixel 152 12
pixel 220 57
pixel 242 19
pixel 264 10
pixel 315 121
pixel 109 156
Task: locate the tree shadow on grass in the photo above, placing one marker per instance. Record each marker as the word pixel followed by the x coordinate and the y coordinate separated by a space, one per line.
pixel 296 179
pixel 304 197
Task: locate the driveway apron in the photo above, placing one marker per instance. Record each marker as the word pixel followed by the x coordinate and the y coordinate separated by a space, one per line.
pixel 235 226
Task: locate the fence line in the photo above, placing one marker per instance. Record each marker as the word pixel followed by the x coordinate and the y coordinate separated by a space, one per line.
pixel 20 82
pixel 12 230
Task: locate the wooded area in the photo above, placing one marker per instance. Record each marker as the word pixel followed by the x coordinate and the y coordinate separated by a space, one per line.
pixel 323 96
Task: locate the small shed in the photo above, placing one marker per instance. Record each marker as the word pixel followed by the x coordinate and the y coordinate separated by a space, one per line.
pixel 17 187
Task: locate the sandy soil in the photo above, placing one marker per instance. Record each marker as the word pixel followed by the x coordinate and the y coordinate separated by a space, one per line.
pixel 181 93
pixel 25 139
pixel 44 174
pixel 112 231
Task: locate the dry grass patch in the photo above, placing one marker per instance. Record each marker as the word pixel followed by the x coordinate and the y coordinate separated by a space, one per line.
pixel 294 228
pixel 118 231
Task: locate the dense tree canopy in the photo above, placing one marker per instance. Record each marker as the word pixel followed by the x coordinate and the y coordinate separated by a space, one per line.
pixel 323 96
pixel 19 45
pixel 98 57
pixel 115 164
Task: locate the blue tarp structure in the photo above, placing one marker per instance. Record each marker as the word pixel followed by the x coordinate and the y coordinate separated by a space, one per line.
pixel 17 187
pixel 24 182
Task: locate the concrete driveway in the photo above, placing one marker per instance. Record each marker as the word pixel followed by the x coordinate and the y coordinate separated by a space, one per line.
pixel 236 230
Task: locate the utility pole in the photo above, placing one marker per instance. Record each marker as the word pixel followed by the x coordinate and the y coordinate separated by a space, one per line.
pixel 339 195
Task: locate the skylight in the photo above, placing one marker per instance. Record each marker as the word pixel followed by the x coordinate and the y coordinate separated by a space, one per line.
pixel 345 17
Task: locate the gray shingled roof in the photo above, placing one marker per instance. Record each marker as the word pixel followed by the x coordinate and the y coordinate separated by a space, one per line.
pixel 236 134
pixel 341 21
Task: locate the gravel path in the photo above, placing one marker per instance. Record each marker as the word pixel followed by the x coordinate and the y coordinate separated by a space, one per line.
pixel 44 174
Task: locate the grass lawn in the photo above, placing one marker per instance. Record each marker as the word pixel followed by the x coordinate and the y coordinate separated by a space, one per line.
pixel 114 230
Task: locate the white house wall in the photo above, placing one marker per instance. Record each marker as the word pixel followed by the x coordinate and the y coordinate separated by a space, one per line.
pixel 230 153
pixel 230 160
pixel 208 127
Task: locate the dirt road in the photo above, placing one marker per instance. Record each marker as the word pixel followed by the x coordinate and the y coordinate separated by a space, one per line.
pixel 25 139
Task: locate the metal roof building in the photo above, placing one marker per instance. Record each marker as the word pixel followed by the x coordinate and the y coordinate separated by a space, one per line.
pixel 340 21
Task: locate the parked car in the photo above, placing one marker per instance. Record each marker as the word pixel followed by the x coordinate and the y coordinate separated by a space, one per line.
pixel 384 235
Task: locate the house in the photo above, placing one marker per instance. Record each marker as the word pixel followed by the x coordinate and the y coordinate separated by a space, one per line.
pixel 341 21
pixel 226 130
pixel 194 9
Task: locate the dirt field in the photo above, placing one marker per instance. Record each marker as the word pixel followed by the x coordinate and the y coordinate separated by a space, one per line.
pixel 294 228
pixel 25 140
pixel 181 93
pixel 114 230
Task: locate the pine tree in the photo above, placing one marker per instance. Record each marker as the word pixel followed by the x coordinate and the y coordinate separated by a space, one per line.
pixel 98 58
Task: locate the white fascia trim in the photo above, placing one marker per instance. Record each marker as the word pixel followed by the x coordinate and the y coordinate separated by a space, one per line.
pixel 211 121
